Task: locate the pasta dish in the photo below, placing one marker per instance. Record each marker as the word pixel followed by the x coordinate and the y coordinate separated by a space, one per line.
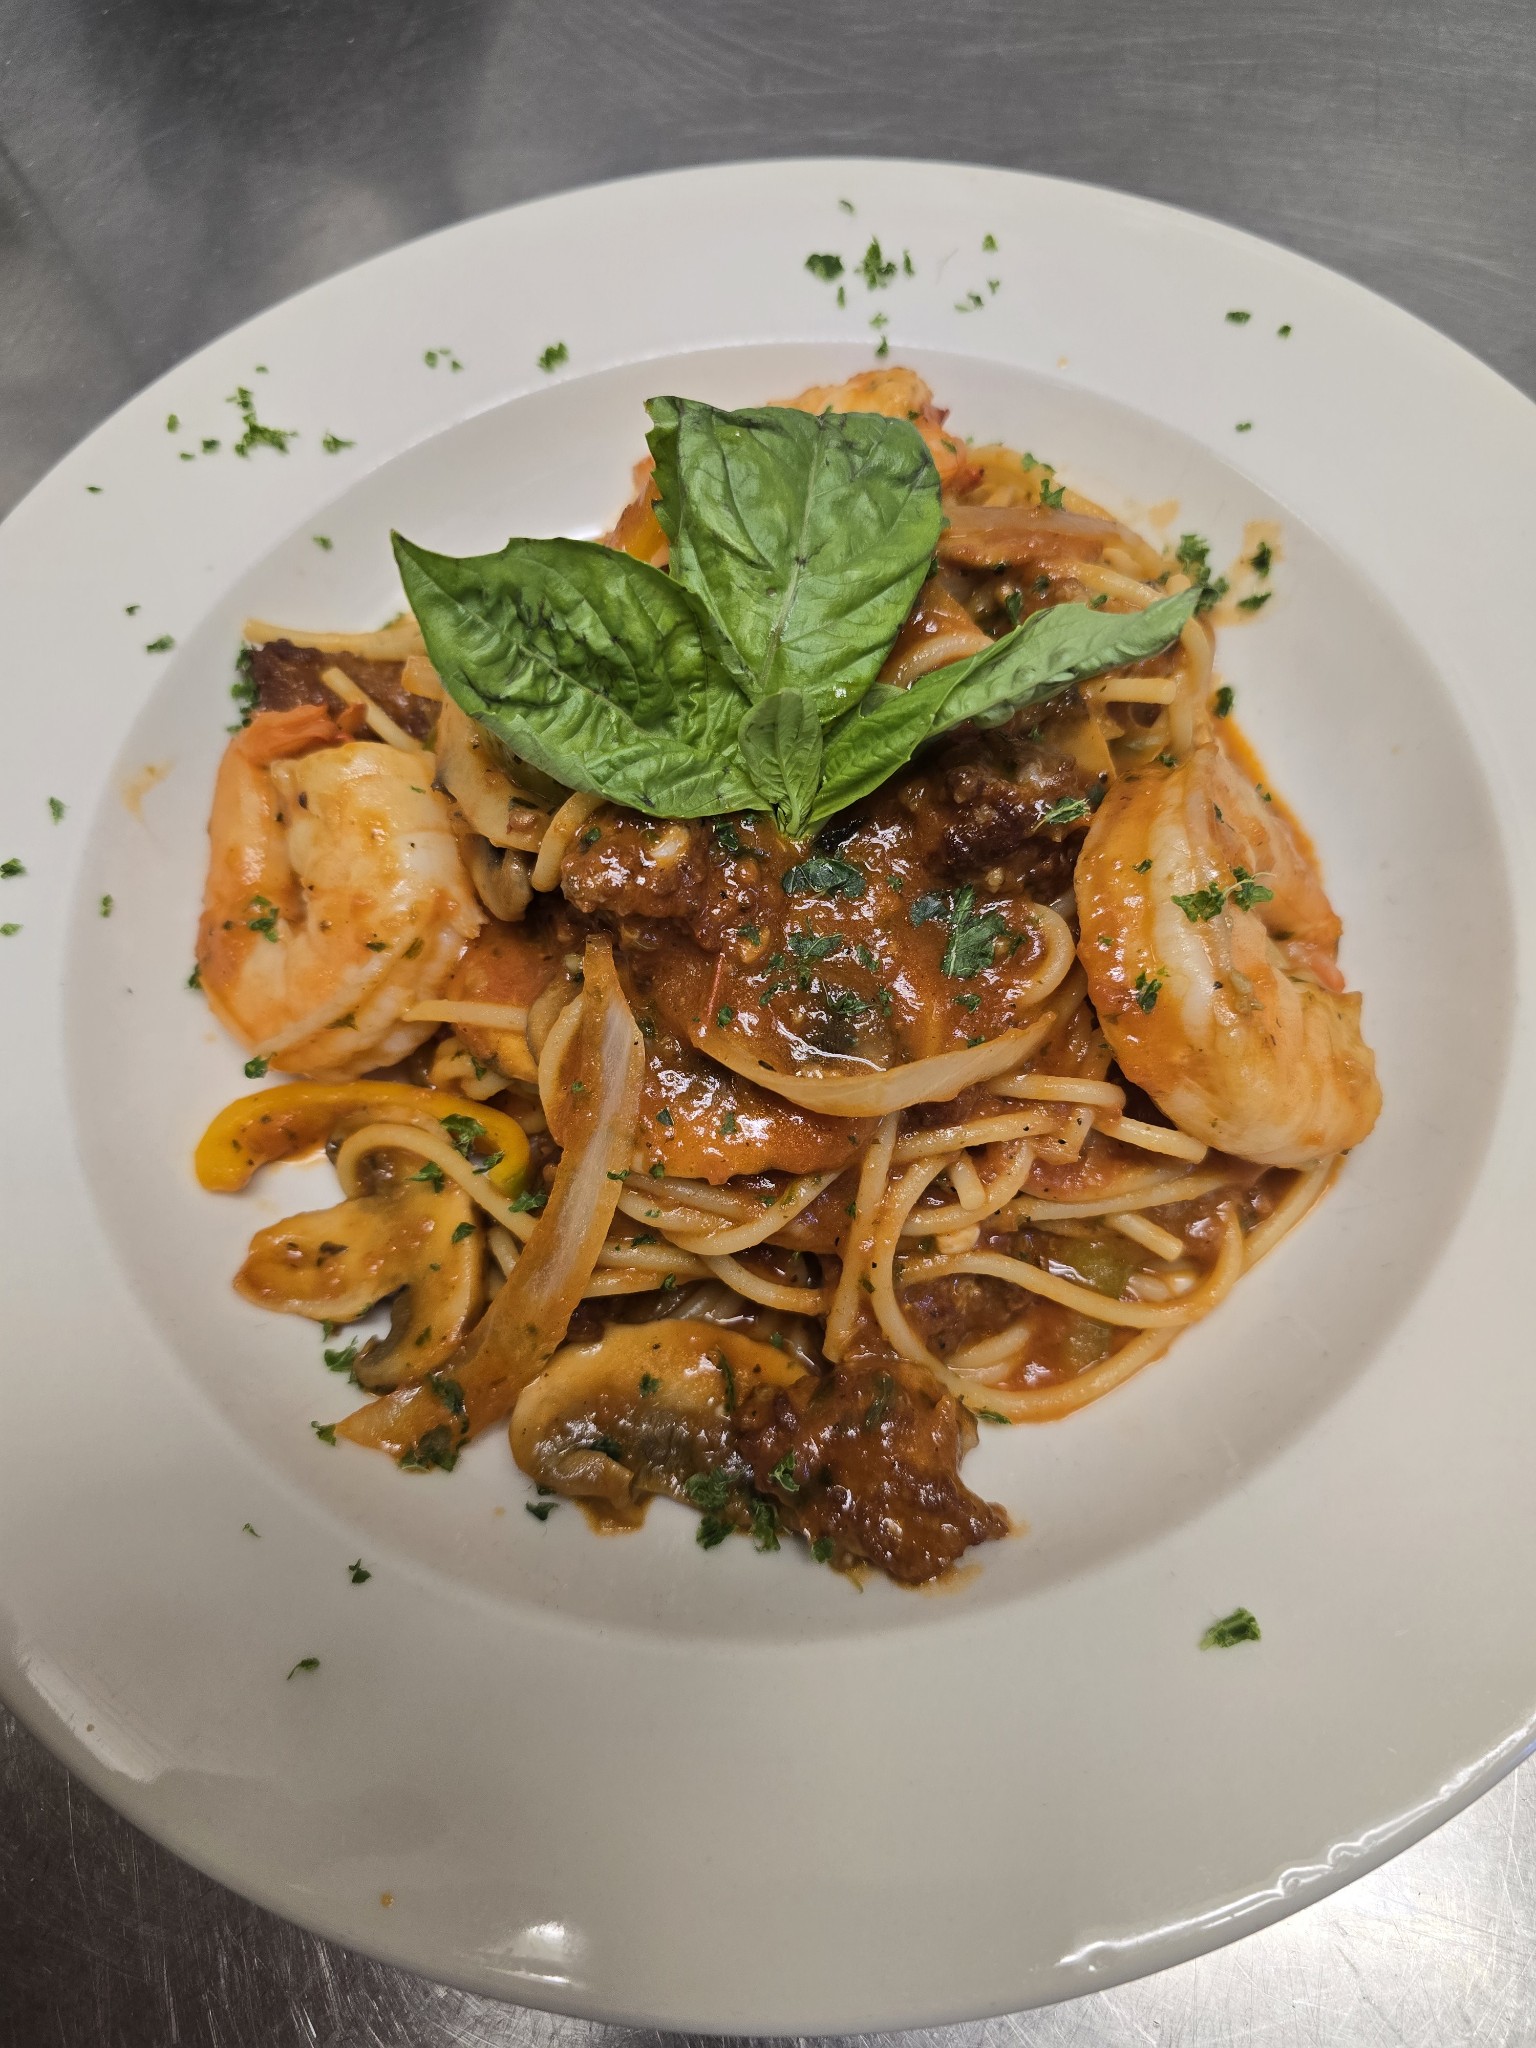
pixel 812 974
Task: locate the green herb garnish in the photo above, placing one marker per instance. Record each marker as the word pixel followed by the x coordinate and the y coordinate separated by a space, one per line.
pixel 828 268
pixel 306 1664
pixel 1067 810
pixel 1237 1627
pixel 824 876
pixel 1200 905
pixel 255 434
pixel 359 1572
pixel 744 679
pixel 552 357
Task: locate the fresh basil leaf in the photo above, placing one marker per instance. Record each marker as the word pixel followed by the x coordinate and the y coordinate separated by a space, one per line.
pixel 592 666
pixel 1054 648
pixel 780 742
pixel 805 536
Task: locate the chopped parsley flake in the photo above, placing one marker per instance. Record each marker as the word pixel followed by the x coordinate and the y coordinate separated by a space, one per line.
pixel 709 1489
pixel 433 1450
pixel 255 434
pixel 1226 697
pixel 1238 317
pixel 306 1664
pixel 725 1015
pixel 1248 891
pixel 728 1124
pixel 649 1384
pixel 1145 989
pixel 1201 905
pixel 255 1068
pixel 1237 1627
pixel 433 356
pixel 874 268
pixel 989 243
pixel 1194 558
pixel 341 1360
pixel 541 1510
pixel 828 268
pixel 323 541
pixel 1284 332
pixel 359 1572
pixel 333 443
pixel 970 303
pixel 820 876
pixel 1256 602
pixel 990 1415
pixel 552 357
pixel 1051 498
pixel 430 1172
pixel 247 1530
pixel 56 809
pixel 822 1549
pixel 464 1134
pixel 161 646
pixel 972 933
pixel 1067 810
pixel 326 1431
pixel 464 1230
pixel 846 205
pixel 9 931
pixel 765 1525
pixel 11 868
pixel 1262 558
pixel 530 1201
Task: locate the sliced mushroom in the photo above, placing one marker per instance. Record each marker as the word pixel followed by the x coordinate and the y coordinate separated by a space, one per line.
pixel 649 1409
pixel 500 876
pixel 333 1265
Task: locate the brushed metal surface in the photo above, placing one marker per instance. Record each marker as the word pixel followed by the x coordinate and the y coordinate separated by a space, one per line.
pixel 169 166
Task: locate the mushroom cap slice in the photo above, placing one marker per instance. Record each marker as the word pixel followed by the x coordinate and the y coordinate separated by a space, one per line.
pixel 645 1410
pixel 410 1242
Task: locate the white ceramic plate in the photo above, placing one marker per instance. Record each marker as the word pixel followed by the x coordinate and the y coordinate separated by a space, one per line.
pixel 713 1790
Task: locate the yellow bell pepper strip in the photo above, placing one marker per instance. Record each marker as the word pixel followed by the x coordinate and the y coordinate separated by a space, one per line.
pixel 298 1116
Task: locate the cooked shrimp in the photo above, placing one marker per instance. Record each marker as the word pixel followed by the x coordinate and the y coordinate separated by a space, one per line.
pixel 1209 947
pixel 898 394
pixel 336 897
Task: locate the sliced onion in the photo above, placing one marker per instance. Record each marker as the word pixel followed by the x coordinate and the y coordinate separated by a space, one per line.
pixel 521 1330
pixel 876 1092
pixel 983 536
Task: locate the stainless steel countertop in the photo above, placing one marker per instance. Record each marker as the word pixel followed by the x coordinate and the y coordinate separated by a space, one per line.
pixel 169 166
